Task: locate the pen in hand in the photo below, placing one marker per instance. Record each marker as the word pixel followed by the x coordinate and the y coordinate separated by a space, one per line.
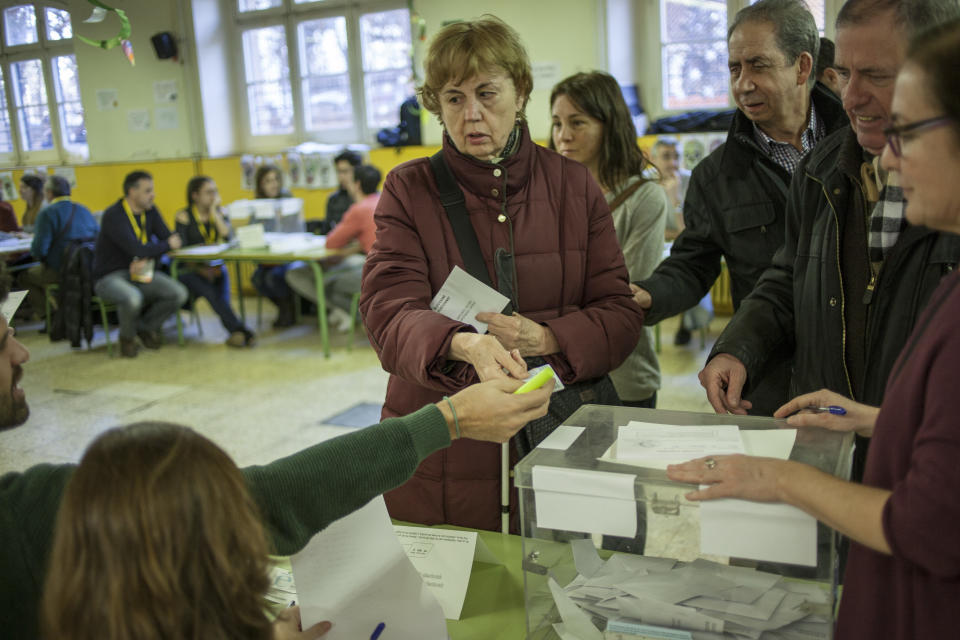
pixel 832 409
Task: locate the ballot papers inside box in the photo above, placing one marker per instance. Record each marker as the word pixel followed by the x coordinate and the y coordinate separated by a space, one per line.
pixel 612 549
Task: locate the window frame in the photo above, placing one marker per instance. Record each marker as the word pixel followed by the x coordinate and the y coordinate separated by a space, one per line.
pixel 290 15
pixel 46 51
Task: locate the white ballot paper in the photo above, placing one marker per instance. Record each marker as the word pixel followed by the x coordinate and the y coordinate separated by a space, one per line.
pixel 444 559
pixel 462 297
pixel 355 574
pixel 561 438
pixel 585 501
pixel 670 443
pixel 760 531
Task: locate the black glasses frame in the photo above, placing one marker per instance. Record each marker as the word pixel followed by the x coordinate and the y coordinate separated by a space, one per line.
pixel 895 133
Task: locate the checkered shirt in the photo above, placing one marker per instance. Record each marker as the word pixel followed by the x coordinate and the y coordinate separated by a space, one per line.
pixel 784 153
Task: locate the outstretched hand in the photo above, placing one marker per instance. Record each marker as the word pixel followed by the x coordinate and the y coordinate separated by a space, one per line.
pixel 737 476
pixel 487 356
pixel 490 411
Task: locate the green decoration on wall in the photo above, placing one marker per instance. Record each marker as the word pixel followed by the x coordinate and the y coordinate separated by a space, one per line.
pixel 115 41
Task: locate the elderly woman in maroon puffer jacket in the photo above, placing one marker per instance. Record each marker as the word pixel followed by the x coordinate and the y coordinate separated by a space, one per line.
pixel 569 286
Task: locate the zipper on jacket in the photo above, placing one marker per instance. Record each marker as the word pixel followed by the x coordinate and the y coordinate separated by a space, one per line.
pixel 843 302
pixel 871 287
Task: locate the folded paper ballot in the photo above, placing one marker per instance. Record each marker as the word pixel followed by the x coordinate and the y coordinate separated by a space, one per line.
pixel 663 598
pixel 462 297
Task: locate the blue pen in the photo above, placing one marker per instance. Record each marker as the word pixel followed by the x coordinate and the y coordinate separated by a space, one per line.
pixel 378 631
pixel 833 409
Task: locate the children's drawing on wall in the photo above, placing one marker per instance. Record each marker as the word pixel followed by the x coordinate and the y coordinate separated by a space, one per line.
pixel 295 170
pixel 8 187
pixel 67 172
pixel 311 170
pixel 693 152
pixel 248 167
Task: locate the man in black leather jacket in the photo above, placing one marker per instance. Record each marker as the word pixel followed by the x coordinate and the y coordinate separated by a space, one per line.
pixel 735 204
pixel 844 316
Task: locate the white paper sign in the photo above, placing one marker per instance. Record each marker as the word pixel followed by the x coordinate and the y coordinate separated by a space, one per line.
pixel 444 560
pixel 673 443
pixel 561 438
pixel 462 297
pixel 759 531
pixel 586 501
pixel 355 574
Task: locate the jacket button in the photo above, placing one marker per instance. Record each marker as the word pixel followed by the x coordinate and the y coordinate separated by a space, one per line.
pixel 495 192
pixel 763 228
pixel 497 173
pixel 833 302
pixel 501 218
pixel 836 191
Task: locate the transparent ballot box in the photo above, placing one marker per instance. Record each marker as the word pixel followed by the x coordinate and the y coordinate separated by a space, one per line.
pixel 613 550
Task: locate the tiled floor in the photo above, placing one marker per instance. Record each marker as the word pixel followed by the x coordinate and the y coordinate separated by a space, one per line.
pixel 258 404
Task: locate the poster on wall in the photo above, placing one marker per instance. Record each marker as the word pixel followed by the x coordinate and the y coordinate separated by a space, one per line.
pixel 166 118
pixel 108 99
pixel 295 170
pixel 67 172
pixel 138 120
pixel 247 169
pixel 165 91
pixel 8 187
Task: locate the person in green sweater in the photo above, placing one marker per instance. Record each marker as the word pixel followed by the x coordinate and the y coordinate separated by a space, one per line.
pixel 295 497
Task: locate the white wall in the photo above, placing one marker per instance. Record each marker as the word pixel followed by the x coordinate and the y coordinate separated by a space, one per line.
pixel 108 134
pixel 561 36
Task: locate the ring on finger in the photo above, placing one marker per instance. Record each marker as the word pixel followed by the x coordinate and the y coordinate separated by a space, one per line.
pixel 710 463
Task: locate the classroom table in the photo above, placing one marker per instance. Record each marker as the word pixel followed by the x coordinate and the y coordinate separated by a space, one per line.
pixel 310 255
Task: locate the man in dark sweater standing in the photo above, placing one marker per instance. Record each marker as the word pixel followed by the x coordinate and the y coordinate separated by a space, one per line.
pixel 132 237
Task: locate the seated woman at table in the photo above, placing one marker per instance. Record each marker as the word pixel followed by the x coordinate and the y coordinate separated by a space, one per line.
pixel 31 190
pixel 270 279
pixel 204 222
pixel 159 523
pixel 903 573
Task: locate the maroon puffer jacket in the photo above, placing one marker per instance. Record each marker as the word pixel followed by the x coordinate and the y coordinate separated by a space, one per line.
pixel 570 277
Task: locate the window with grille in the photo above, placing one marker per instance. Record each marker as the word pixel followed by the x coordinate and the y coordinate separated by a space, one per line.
pixel 330 73
pixel 39 85
pixel 693 45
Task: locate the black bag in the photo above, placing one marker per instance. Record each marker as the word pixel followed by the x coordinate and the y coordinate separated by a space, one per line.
pixel 574 395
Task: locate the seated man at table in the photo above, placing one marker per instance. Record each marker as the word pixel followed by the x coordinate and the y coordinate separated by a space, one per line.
pixel 341 199
pixel 342 281
pixel 132 238
pixel 59 223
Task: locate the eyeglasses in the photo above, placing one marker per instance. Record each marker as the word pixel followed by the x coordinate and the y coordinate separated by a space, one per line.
pixel 895 134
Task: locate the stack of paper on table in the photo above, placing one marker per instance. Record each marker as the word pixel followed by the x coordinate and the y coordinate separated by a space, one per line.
pixel 704 599
pixel 728 527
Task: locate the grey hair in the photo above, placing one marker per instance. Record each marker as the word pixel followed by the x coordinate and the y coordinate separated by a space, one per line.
pixel 58 186
pixel 912 16
pixel 794 28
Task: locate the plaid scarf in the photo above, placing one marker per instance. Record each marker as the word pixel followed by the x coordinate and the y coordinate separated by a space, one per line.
pixel 886 221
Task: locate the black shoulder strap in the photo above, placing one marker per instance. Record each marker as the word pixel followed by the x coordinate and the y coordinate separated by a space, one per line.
pixel 451 197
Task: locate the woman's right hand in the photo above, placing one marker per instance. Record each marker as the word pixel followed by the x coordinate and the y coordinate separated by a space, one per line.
pixel 487 356
pixel 860 418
